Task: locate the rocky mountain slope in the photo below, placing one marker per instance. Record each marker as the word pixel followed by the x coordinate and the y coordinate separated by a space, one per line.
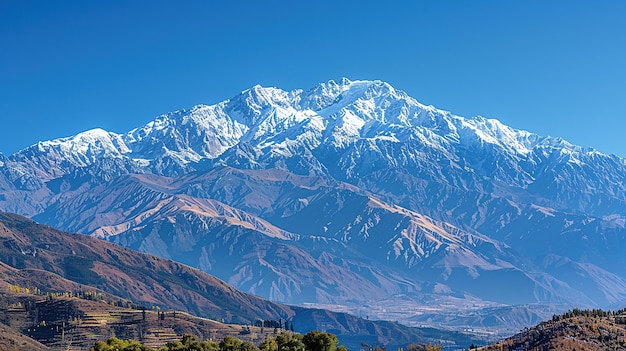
pixel 40 258
pixel 348 193
pixel 51 260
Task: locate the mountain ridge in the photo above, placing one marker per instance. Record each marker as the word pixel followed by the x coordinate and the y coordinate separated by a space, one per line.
pixel 35 256
pixel 357 172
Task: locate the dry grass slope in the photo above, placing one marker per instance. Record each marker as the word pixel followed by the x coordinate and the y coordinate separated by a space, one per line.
pixel 31 322
pixel 579 333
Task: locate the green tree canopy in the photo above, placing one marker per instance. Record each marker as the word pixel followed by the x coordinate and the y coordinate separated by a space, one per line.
pixel 289 342
pixel 320 341
pixel 269 345
pixel 189 343
pixel 115 344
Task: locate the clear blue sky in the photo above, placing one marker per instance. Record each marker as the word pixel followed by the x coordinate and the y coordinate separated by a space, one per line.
pixel 552 67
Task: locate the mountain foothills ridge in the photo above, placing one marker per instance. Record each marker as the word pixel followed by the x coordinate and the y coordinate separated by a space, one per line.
pixel 349 194
pixel 55 267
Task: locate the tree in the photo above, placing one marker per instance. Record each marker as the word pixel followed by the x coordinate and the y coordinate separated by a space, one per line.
pixel 209 346
pixel 269 345
pixel 230 344
pixel 188 340
pixel 173 346
pixel 115 344
pixel 289 342
pixel 99 346
pixel 319 341
pixel 189 343
pixel 247 346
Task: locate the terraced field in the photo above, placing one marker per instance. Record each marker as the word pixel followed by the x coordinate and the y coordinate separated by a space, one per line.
pixel 69 323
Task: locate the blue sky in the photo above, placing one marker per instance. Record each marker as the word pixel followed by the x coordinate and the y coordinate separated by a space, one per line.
pixel 552 67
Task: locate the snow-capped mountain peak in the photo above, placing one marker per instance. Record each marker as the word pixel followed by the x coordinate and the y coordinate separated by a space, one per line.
pixel 85 148
pixel 360 173
pixel 492 131
pixel 107 142
pixel 275 124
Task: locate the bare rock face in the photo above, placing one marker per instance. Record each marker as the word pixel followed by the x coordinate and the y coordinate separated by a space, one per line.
pixel 351 193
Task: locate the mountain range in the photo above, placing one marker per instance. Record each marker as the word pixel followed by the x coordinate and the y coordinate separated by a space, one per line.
pixel 350 195
pixel 48 268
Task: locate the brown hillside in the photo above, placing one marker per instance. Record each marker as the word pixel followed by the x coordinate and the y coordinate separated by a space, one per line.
pixel 580 333
pixel 33 256
pixel 53 260
pixel 10 339
pixel 35 322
